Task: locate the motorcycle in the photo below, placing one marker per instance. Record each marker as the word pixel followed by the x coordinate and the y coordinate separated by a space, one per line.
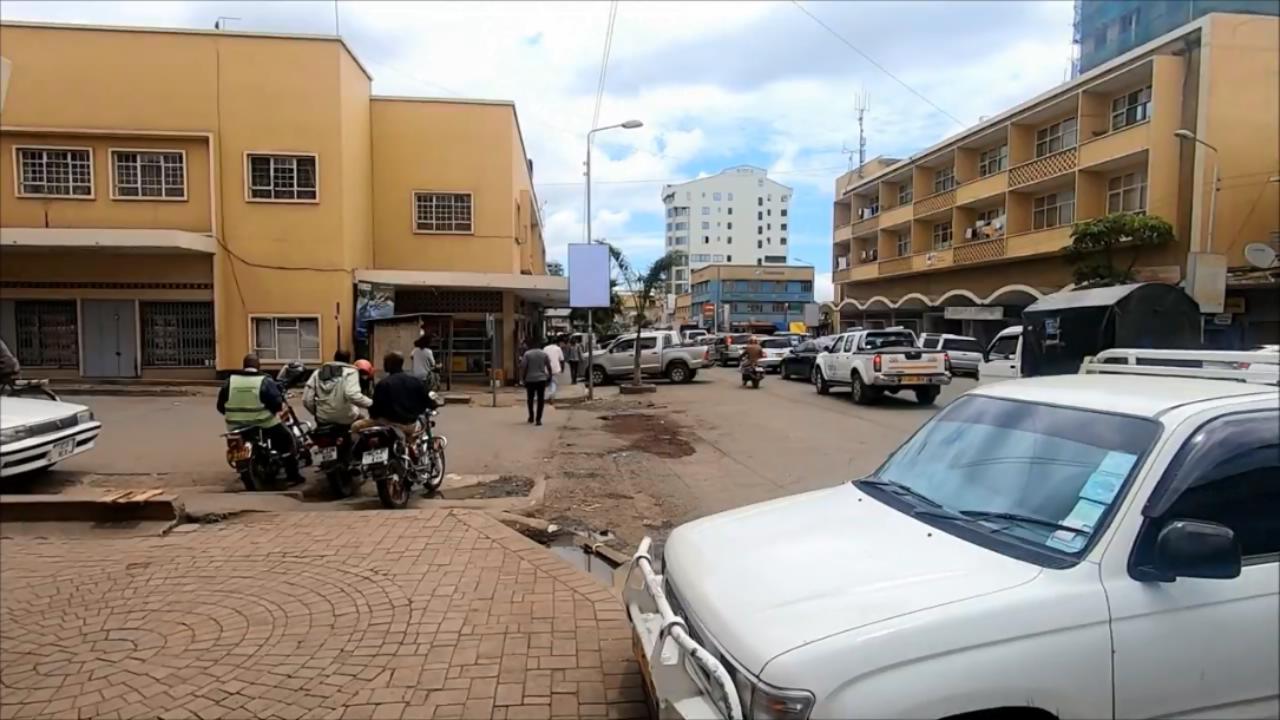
pixel 384 455
pixel 333 446
pixel 249 450
pixel 752 374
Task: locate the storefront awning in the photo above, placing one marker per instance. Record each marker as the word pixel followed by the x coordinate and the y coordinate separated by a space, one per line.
pixel 114 240
pixel 546 290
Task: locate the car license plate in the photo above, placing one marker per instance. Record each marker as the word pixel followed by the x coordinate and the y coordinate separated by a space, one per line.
pixel 328 454
pixel 913 380
pixel 373 457
pixel 61 449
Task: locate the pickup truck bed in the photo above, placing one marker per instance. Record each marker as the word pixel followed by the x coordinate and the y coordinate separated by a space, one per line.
pixel 873 362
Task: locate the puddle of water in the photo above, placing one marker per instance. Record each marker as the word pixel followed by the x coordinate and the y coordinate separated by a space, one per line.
pixel 569 548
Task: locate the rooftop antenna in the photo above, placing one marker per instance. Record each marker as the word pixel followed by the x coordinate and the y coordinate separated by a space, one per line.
pixel 861 103
pixel 844 150
pixel 221 22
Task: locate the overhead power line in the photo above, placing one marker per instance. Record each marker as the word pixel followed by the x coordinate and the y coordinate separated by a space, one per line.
pixel 877 65
pixel 604 63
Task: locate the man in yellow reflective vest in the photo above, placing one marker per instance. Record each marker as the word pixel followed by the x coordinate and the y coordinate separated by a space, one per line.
pixel 253 399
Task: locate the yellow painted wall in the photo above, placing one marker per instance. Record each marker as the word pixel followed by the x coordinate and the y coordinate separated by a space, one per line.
pixel 192 214
pixel 458 147
pixel 1240 111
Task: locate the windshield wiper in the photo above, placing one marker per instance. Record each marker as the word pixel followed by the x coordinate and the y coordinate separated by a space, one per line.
pixel 1016 517
pixel 901 489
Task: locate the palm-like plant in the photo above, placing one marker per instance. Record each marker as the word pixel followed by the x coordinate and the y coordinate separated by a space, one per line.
pixel 643 288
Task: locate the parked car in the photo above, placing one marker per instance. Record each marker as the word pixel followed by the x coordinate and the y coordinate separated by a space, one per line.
pixel 661 354
pixel 964 352
pixel 775 348
pixel 1100 544
pixel 36 434
pixel 799 362
pixel 728 348
pixel 873 362
pixel 691 336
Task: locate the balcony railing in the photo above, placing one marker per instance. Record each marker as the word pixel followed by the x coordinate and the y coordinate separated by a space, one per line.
pixel 895 215
pixel 893 266
pixel 1043 168
pixel 934 203
pixel 868 225
pixel 843 232
pixel 980 251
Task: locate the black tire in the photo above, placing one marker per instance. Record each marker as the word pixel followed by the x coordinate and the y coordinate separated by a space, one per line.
pixel 820 381
pixel 263 474
pixel 246 478
pixel 393 492
pixel 599 376
pixel 755 383
pixel 927 396
pixel 432 484
pixel 342 483
pixel 678 372
pixel 859 393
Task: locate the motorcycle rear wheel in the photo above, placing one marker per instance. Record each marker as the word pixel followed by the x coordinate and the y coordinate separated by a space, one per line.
pixel 246 478
pixel 263 473
pixel 393 491
pixel 435 479
pixel 755 383
pixel 342 483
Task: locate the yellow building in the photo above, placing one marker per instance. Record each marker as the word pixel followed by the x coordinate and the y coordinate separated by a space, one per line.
pixel 173 199
pixel 963 235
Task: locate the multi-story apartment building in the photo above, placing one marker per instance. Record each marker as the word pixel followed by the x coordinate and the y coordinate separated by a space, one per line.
pixel 172 199
pixel 750 298
pixel 1105 29
pixel 737 216
pixel 963 235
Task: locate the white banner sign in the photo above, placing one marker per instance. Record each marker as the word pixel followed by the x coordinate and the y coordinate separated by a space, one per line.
pixel 973 313
pixel 588 275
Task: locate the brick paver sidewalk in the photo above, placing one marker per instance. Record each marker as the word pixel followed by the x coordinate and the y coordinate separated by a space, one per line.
pixel 400 614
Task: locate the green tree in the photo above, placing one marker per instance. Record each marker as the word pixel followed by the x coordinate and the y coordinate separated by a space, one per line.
pixel 1094 246
pixel 644 287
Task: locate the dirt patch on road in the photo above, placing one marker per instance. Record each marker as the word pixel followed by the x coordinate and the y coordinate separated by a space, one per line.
pixel 654 434
pixel 504 487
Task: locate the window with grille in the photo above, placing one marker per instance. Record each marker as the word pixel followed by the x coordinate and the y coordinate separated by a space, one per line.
pixel 435 212
pixel 147 174
pixel 1127 193
pixel 944 180
pixel 56 172
pixel 283 177
pixel 1131 108
pixel 1053 210
pixel 941 235
pixel 1056 137
pixel 286 338
pixel 905 193
pixel 903 244
pixel 46 333
pixel 177 334
pixel 993 161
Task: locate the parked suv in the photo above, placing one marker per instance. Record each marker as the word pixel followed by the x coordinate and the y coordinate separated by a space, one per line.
pixel 661 354
pixel 1096 545
pixel 964 352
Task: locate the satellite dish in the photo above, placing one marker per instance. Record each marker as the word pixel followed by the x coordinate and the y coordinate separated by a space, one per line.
pixel 1260 255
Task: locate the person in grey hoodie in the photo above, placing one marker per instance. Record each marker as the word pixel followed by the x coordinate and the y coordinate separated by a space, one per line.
pixel 535 372
pixel 332 393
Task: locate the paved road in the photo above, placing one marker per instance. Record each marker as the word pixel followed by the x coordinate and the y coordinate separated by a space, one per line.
pixel 784 438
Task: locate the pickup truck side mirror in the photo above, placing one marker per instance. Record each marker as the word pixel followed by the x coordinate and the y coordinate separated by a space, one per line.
pixel 1196 549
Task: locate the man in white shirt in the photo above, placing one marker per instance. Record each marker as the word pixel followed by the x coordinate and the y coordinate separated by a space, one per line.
pixel 555 354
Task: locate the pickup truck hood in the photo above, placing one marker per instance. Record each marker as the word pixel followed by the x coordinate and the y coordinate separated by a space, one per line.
pixel 767 578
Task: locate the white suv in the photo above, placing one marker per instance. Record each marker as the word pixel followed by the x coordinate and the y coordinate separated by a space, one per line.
pixel 1097 545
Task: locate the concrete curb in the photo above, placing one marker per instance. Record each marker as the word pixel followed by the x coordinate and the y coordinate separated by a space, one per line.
pixel 64 508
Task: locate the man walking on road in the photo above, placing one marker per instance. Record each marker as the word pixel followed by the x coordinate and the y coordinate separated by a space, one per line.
pixel 535 372
pixel 574 360
pixel 555 354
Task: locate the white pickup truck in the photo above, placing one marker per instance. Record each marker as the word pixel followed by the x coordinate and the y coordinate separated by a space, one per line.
pixel 661 354
pixel 873 362
pixel 1097 545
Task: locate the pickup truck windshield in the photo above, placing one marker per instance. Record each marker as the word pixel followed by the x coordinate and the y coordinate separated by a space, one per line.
pixel 1024 473
pixel 889 339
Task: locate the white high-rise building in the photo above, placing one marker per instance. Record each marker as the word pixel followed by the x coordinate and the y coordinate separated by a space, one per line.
pixel 738 216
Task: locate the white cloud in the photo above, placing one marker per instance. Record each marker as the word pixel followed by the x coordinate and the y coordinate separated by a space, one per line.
pixel 716 84
pixel 823 290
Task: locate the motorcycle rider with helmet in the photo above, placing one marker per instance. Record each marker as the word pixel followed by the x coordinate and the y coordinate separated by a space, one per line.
pixel 366 376
pixel 253 399
pixel 333 394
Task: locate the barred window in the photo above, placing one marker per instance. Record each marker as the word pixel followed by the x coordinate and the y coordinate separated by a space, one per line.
pixel 1053 210
pixel 435 212
pixel 47 333
pixel 56 172
pixel 283 177
pixel 143 174
pixel 177 334
pixel 287 338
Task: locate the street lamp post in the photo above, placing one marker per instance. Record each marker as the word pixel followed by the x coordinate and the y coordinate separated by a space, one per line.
pixel 1213 199
pixel 591 335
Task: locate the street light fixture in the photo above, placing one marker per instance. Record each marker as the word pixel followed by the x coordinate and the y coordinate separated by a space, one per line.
pixel 591 346
pixel 1185 134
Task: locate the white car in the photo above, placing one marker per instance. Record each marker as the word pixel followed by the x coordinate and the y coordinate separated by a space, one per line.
pixel 963 351
pixel 37 434
pixel 1100 545
pixel 774 349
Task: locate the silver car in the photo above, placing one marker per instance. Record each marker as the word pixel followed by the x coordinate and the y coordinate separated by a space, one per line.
pixel 964 352
pixel 775 348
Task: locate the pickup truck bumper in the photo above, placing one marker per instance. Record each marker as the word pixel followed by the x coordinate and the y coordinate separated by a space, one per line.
pixel 910 380
pixel 683 677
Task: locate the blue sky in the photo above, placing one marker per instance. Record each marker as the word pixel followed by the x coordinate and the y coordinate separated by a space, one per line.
pixel 716 84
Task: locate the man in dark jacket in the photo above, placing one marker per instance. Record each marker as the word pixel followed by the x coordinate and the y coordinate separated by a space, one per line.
pixel 399 399
pixel 252 399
